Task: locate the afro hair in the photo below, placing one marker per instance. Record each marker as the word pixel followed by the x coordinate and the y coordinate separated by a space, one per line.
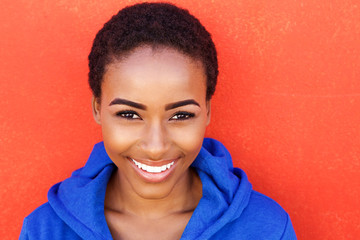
pixel 155 24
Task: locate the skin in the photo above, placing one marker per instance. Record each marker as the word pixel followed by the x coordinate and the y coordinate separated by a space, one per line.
pixel 152 109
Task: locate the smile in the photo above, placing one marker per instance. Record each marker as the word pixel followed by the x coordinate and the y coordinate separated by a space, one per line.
pixel 152 169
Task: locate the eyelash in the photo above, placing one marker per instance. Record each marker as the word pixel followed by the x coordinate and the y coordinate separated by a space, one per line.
pixel 132 115
pixel 184 116
pixel 128 114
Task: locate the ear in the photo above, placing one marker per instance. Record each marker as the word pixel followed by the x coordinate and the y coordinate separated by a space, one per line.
pixel 95 105
pixel 208 113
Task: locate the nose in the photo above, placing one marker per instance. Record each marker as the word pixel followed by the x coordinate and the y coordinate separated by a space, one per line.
pixel 154 142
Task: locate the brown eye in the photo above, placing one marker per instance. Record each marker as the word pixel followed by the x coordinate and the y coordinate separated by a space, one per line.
pixel 130 115
pixel 182 116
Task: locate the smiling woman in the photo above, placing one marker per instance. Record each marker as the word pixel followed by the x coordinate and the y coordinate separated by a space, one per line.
pixel 153 70
pixel 146 127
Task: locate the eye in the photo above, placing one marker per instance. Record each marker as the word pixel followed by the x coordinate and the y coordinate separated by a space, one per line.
pixel 182 116
pixel 130 115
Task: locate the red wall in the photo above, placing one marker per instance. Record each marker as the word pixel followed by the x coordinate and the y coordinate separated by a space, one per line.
pixel 287 104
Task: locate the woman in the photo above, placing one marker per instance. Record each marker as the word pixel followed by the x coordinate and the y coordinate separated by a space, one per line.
pixel 153 70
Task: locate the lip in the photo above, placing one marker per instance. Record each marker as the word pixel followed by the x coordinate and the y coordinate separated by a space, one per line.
pixel 156 177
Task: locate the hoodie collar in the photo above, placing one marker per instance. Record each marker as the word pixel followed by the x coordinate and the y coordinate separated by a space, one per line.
pixel 226 191
pixel 79 200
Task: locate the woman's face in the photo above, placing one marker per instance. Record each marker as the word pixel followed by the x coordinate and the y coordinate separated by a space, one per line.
pixel 153 113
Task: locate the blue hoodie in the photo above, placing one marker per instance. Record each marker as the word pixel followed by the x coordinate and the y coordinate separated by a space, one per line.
pixel 228 209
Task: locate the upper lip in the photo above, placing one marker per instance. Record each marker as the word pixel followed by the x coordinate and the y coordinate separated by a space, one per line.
pixel 154 163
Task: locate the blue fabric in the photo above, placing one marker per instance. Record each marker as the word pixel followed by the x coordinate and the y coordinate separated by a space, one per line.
pixel 229 208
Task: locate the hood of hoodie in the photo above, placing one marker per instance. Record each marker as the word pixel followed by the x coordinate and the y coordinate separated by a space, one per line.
pixel 79 200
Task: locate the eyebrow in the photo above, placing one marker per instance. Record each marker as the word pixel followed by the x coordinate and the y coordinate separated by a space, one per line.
pixel 128 103
pixel 181 103
pixel 169 106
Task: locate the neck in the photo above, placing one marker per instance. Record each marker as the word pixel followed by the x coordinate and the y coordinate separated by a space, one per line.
pixel 183 198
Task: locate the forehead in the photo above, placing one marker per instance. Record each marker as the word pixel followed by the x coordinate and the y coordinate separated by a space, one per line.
pixel 162 71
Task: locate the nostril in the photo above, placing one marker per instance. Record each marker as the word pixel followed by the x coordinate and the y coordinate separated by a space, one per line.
pixel 155 142
pixel 154 150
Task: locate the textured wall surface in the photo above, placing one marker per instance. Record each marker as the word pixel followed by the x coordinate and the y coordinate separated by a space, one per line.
pixel 287 104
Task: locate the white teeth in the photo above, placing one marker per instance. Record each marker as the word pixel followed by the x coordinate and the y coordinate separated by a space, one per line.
pixel 152 169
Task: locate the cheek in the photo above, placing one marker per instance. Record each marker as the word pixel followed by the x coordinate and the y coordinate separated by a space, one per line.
pixel 117 138
pixel 190 139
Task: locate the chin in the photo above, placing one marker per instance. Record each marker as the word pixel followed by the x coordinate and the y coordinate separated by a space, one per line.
pixel 154 191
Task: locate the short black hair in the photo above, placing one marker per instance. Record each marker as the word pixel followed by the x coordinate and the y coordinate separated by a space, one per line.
pixel 155 24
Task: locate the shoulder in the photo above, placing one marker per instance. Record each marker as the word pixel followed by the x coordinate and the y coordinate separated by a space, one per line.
pixel 41 215
pixel 267 207
pixel 263 217
pixel 44 223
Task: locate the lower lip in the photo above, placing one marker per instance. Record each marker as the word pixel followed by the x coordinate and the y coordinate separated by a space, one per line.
pixel 154 177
